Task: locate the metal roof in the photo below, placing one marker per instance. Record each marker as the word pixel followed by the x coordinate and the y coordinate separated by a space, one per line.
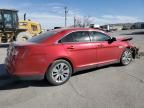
pixel 8 9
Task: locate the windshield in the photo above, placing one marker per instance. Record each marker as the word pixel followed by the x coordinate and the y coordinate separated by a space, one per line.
pixel 8 20
pixel 42 37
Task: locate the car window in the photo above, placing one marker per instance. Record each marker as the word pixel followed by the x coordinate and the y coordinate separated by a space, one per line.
pixel 68 38
pixel 98 36
pixel 8 20
pixel 41 37
pixel 80 36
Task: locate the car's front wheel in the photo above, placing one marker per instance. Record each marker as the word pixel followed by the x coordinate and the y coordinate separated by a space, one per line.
pixel 126 57
pixel 59 72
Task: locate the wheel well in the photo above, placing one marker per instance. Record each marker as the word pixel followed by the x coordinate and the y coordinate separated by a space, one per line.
pixel 65 60
pixel 128 47
pixel 133 51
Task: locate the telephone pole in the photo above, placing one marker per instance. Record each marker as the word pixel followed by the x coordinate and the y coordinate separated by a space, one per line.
pixel 66 12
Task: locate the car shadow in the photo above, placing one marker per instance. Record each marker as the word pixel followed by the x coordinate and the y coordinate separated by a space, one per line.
pixel 9 83
pixel 17 84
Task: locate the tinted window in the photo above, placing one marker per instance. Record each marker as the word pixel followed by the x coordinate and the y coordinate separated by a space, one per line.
pixel 42 37
pixel 80 36
pixel 68 38
pixel 98 36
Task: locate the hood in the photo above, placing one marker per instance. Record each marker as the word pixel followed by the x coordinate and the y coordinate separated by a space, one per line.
pixel 120 38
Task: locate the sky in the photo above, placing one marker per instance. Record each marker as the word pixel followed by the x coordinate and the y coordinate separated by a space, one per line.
pixel 50 13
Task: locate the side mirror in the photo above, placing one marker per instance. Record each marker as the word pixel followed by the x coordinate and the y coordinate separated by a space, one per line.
pixel 112 40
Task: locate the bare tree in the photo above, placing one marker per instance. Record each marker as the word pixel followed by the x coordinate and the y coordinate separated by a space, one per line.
pixel 86 21
pixel 78 22
pixel 83 22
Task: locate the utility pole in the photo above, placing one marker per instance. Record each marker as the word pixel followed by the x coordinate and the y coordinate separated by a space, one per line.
pixel 66 12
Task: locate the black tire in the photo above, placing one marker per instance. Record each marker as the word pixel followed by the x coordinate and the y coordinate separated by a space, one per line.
pixel 126 60
pixel 55 65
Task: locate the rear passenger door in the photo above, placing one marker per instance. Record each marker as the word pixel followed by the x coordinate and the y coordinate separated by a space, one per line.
pixel 79 47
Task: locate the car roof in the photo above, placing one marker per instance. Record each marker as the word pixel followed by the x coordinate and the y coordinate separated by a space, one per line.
pixel 3 9
pixel 77 29
pixel 66 31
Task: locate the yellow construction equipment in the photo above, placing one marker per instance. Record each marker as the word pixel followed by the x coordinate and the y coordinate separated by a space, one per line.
pixel 30 28
pixel 11 29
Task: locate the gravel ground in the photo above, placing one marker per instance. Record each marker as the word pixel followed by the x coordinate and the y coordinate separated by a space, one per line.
pixel 107 87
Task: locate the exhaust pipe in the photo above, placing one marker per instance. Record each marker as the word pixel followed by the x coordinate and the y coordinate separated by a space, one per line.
pixel 24 16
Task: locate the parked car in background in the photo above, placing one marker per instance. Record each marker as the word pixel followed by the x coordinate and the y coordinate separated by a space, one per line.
pixel 57 54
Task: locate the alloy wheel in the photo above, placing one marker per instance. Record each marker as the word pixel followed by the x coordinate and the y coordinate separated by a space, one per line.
pixel 127 57
pixel 60 72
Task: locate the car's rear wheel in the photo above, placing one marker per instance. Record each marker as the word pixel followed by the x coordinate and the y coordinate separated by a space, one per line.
pixel 126 57
pixel 59 72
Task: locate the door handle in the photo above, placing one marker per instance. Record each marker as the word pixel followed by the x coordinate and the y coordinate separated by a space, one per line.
pixel 70 47
pixel 100 45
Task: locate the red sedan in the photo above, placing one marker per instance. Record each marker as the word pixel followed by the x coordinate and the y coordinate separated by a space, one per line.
pixel 56 54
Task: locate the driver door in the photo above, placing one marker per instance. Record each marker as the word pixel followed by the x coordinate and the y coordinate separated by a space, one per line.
pixel 105 51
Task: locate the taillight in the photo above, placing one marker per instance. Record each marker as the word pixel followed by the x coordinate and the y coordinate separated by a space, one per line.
pixel 15 52
pixel 20 51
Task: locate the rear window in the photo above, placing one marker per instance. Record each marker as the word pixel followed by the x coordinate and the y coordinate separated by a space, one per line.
pixel 42 37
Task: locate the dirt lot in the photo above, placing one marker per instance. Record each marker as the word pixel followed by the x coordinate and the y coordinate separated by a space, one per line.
pixel 107 87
